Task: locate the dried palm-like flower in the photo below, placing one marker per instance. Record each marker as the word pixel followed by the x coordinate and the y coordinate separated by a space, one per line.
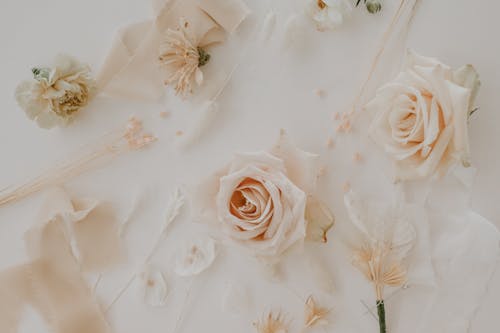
pixel 314 314
pixel 181 58
pixel 387 240
pixel 272 323
pixel 376 264
pixel 56 94
pixel 111 145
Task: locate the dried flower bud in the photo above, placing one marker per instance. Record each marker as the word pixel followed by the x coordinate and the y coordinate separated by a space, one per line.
pixel 204 57
pixel 373 6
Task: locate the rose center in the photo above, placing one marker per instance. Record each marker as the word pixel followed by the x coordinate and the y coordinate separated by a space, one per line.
pixel 321 4
pixel 250 200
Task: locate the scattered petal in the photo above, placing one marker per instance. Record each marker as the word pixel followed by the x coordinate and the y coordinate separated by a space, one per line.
pixel 330 144
pixel 358 158
pixel 195 256
pixel 346 187
pixel 328 15
pixel 320 93
pixel 314 314
pixel 164 114
pixel 322 171
pixel 154 287
pixel 272 323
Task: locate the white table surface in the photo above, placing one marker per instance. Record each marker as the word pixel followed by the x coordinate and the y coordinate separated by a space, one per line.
pixel 33 31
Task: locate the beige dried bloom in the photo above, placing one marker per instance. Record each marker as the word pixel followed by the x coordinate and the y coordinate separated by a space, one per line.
pixel 181 58
pixel 272 323
pixel 314 314
pixel 57 93
pixel 375 263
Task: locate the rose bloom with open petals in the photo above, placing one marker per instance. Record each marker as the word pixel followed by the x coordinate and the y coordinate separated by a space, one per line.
pixel 56 94
pixel 421 117
pixel 261 198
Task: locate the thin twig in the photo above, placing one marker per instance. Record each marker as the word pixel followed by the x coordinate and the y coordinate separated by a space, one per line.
pixel 369 310
pixel 120 293
pixel 183 308
pixel 110 146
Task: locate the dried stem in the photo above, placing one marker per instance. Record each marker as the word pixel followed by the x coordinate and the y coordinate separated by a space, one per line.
pixel 375 261
pixel 109 147
pixel 183 308
pixel 347 122
pixel 381 315
pixel 380 50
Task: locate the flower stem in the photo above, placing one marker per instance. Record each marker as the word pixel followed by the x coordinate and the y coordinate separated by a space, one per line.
pixel 381 315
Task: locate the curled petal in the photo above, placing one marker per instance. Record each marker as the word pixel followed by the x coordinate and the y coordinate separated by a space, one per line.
pixel 319 220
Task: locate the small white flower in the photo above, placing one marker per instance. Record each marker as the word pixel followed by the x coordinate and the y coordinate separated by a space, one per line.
pixel 181 57
pixel 58 93
pixel 328 14
pixel 154 287
pixel 195 256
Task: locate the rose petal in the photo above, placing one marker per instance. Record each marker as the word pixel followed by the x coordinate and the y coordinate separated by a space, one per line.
pixel 154 287
pixel 195 256
pixel 319 220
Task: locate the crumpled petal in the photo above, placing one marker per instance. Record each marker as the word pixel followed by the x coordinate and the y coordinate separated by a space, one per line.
pixel 195 256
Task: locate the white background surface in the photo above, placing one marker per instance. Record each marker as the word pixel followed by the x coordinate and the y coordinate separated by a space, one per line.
pixel 276 87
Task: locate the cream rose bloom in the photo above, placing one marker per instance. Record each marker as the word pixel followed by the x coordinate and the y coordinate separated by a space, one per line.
pixel 261 198
pixel 56 94
pixel 421 116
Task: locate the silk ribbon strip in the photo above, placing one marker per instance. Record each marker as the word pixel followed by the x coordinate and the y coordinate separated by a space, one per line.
pixel 72 236
pixel 131 68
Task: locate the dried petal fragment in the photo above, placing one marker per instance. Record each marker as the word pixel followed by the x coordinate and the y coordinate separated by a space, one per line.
pixel 314 314
pixel 154 287
pixel 195 256
pixel 272 323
